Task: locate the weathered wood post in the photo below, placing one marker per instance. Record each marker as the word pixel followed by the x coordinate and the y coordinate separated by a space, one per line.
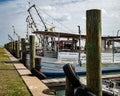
pixel 9 46
pixel 23 54
pixel 17 49
pixel 38 64
pixel 10 43
pixel 32 51
pixel 93 49
pixel 113 55
pixel 6 46
pixel 69 88
pixel 13 48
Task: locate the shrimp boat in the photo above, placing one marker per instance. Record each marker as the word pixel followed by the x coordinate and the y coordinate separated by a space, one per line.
pixel 57 49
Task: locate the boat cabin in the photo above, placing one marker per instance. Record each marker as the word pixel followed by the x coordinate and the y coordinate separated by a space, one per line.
pixel 59 45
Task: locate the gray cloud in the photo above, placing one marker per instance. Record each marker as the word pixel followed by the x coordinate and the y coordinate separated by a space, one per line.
pixel 68 12
pixel 65 2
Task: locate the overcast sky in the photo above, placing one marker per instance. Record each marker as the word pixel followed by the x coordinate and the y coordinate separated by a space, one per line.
pixel 65 15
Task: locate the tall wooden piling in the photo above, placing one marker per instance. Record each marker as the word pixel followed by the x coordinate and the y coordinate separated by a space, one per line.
pixel 13 48
pixel 93 49
pixel 69 89
pixel 23 50
pixel 38 64
pixel 17 49
pixel 10 44
pixel 32 51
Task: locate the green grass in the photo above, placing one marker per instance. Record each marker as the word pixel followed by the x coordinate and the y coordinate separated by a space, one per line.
pixel 11 83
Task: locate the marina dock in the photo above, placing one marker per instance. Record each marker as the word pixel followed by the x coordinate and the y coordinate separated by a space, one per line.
pixel 38 87
pixel 66 56
pixel 35 86
pixel 60 82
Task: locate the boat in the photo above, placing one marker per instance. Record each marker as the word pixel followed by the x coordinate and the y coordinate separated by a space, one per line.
pixel 58 48
pixel 55 48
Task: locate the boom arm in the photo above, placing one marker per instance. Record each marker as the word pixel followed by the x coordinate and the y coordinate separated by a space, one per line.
pixel 38 15
pixel 10 37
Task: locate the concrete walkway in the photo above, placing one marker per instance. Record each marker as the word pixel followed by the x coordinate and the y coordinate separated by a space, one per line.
pixel 35 86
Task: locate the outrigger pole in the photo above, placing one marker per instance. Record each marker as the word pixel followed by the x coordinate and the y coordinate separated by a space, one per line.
pixel 10 38
pixel 32 18
pixel 38 15
pixel 30 26
pixel 16 33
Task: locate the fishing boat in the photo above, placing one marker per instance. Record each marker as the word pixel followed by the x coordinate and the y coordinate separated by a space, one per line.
pixel 58 48
pixel 55 48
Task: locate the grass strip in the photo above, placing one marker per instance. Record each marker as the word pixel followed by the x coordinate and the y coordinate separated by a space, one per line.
pixel 11 84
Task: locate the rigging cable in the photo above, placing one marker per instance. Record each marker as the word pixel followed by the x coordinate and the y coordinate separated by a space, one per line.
pixel 58 22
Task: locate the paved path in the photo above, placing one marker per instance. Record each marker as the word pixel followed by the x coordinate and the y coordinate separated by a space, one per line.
pixel 35 86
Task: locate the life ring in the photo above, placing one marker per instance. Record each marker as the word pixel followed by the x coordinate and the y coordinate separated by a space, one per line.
pixel 38 74
pixel 71 75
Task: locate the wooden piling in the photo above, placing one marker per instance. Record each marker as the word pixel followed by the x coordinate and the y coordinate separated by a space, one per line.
pixel 23 51
pixel 69 89
pixel 17 49
pixel 93 49
pixel 13 48
pixel 32 51
pixel 10 47
pixel 38 64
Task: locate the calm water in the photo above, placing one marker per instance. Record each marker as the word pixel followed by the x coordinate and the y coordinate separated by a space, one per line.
pixel 62 92
pixel 109 61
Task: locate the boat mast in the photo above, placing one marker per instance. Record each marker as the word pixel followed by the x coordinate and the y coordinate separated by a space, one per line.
pixel 79 61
